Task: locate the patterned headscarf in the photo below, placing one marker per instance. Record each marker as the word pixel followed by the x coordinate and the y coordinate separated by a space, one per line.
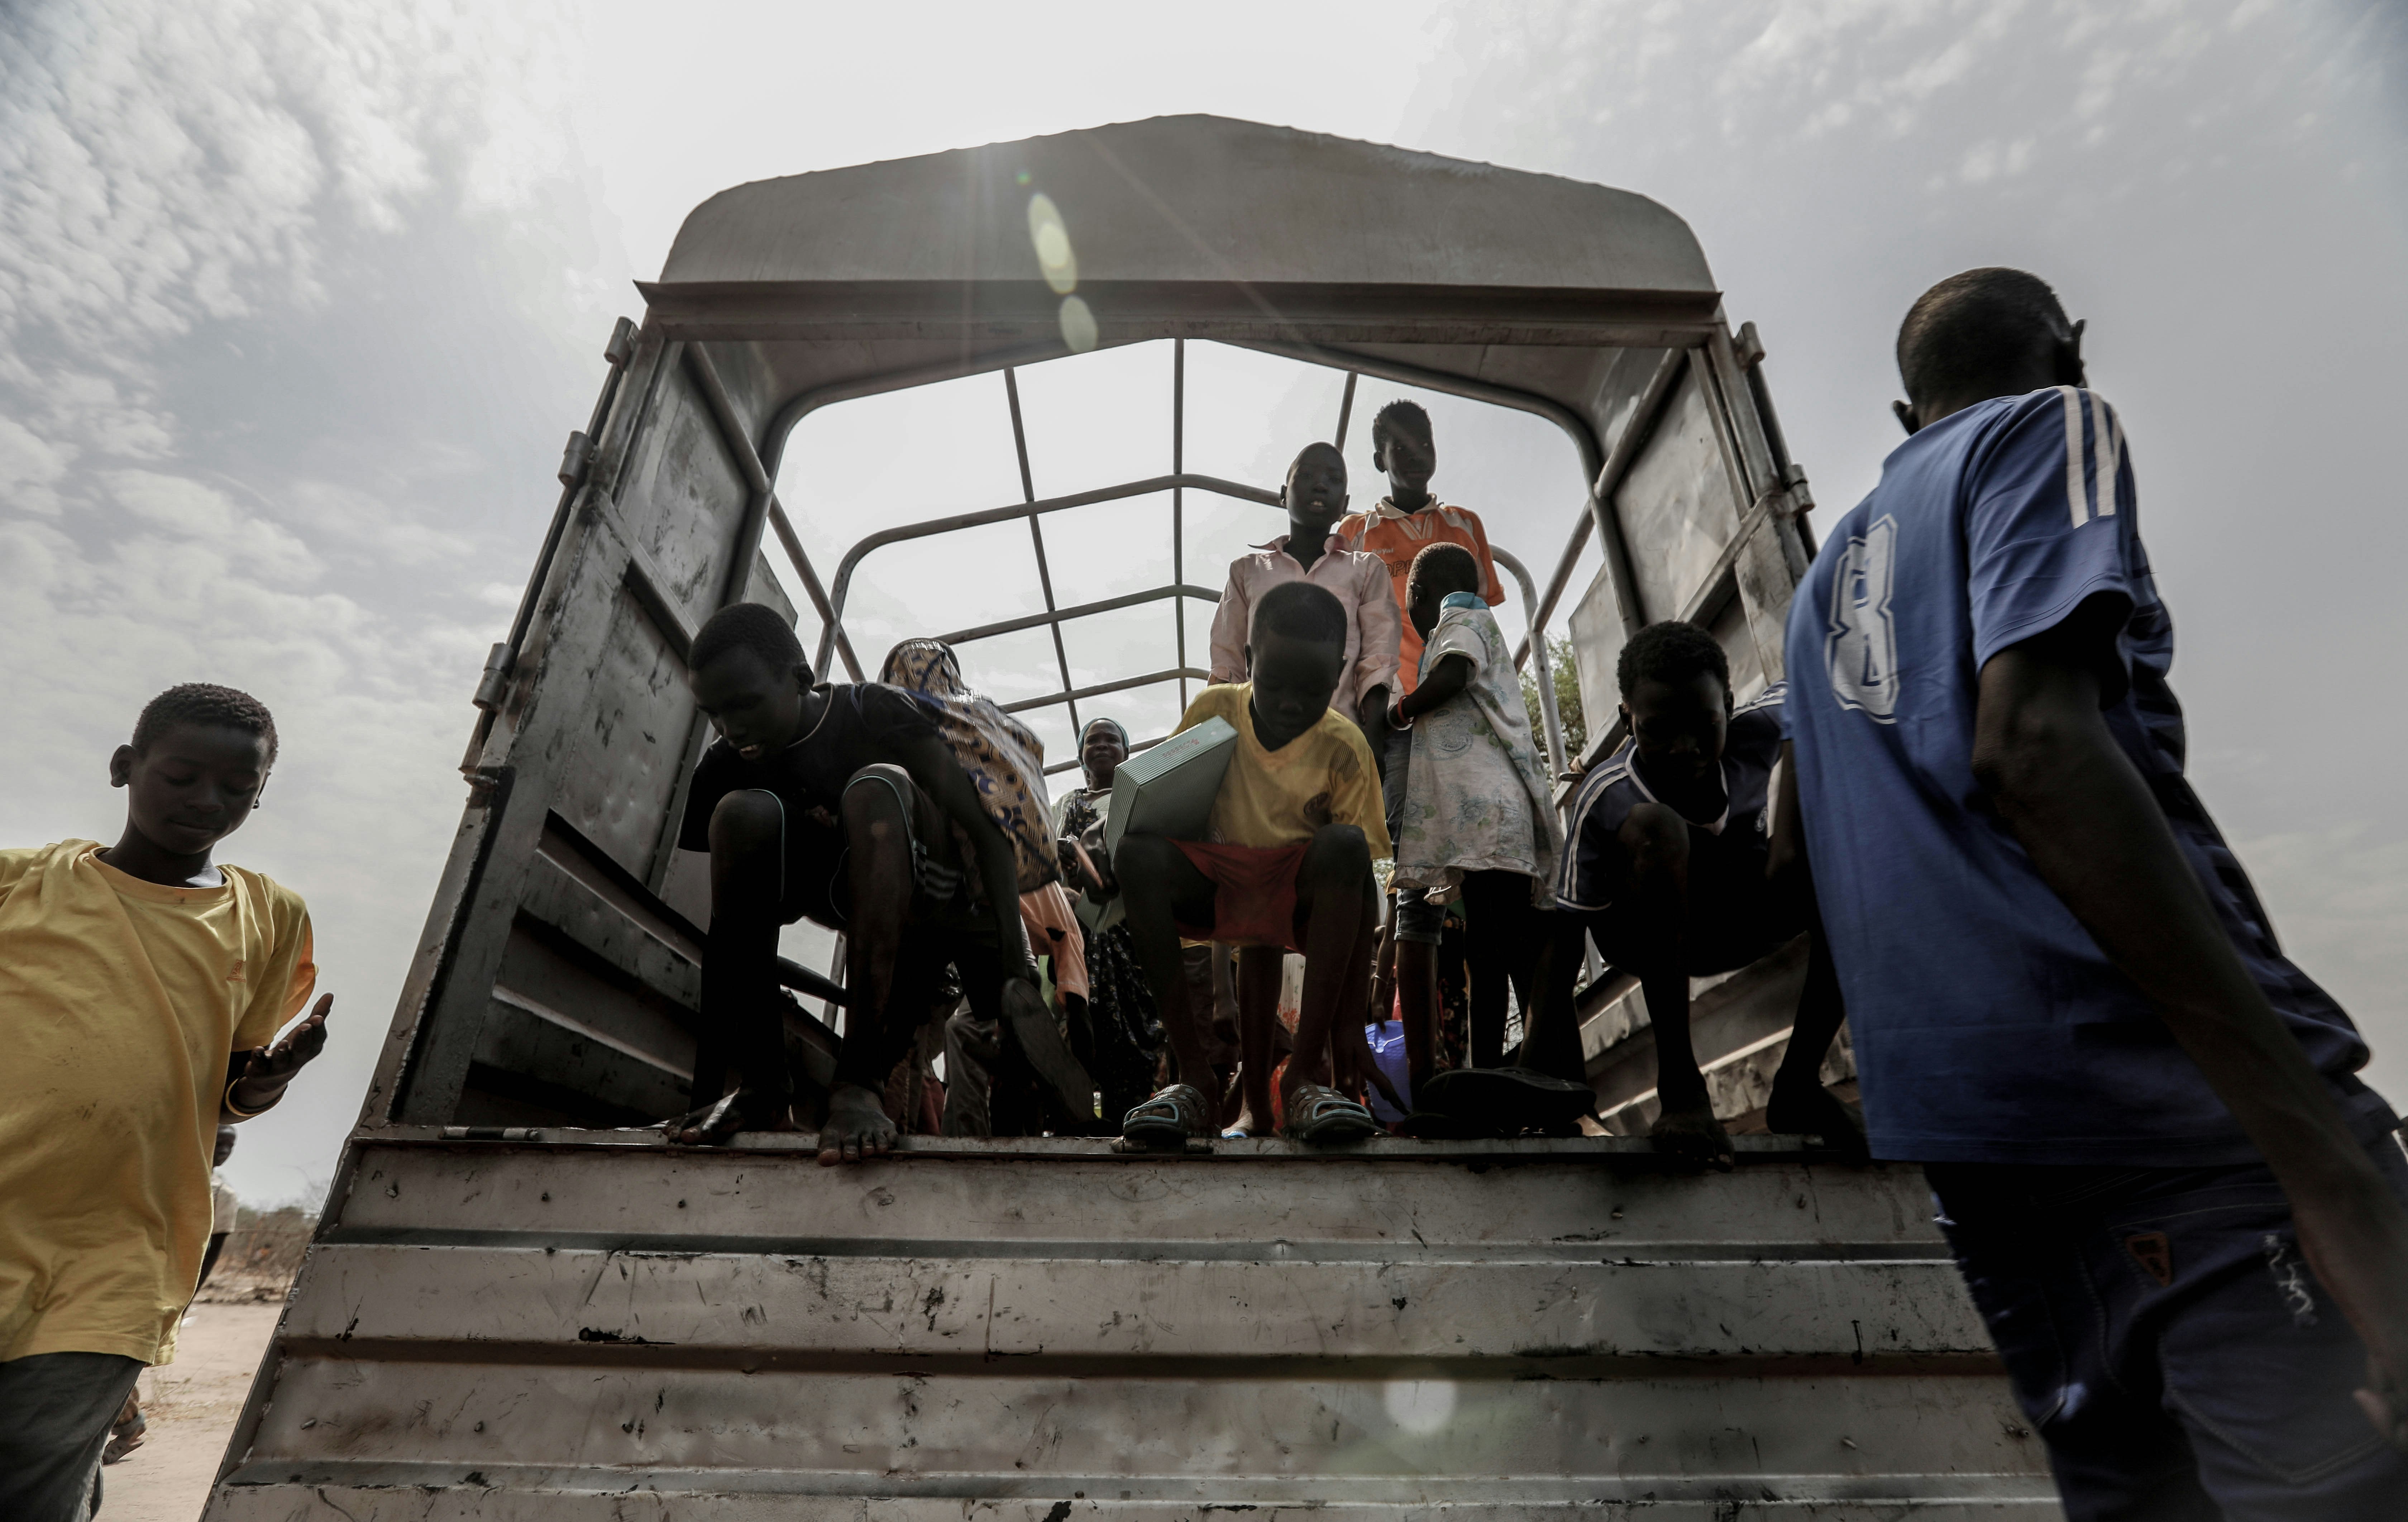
pixel 1004 761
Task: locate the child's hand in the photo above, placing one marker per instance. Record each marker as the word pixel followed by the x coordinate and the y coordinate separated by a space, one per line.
pixel 268 1069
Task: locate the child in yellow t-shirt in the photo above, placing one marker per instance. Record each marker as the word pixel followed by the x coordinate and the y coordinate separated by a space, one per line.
pixel 1294 832
pixel 140 987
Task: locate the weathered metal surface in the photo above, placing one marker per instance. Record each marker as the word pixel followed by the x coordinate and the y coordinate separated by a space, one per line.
pixel 1490 1329
pixel 584 1324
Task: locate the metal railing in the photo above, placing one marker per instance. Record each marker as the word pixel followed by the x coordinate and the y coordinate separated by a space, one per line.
pixel 830 603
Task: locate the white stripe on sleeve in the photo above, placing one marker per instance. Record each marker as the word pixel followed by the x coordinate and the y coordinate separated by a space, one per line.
pixel 2110 448
pixel 2077 497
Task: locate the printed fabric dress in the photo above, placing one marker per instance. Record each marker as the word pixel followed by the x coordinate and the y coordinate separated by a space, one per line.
pixel 1476 797
pixel 1126 1033
pixel 1006 763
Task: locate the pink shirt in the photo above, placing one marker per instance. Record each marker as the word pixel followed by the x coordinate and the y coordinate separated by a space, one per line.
pixel 1360 583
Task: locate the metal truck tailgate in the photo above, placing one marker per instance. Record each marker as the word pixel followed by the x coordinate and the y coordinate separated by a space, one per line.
pixel 584 1325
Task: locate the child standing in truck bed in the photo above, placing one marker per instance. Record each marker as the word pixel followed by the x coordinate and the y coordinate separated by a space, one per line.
pixel 1478 821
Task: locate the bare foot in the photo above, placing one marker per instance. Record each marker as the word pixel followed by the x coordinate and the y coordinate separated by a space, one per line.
pixel 1812 1110
pixel 742 1111
pixel 857 1128
pixel 1243 1124
pixel 1691 1133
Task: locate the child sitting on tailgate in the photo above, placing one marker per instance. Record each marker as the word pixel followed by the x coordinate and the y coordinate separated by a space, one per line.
pixel 1288 864
pixel 1477 822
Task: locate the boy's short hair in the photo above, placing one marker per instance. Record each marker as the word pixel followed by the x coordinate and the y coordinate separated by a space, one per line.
pixel 1399 416
pixel 1673 652
pixel 1972 328
pixel 1300 611
pixel 1317 444
pixel 204 703
pixel 748 626
pixel 1443 568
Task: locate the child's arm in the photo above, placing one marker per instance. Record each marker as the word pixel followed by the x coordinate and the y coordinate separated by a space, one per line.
pixel 1445 682
pixel 939 775
pixel 255 1079
pixel 1229 632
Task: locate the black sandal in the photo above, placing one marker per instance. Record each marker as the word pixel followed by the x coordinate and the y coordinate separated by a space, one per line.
pixel 1168 1119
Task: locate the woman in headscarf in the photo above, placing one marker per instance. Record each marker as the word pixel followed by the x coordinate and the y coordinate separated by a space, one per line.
pixel 1004 761
pixel 1126 1034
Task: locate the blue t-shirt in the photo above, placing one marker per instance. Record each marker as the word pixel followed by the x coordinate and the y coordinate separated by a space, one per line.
pixel 1988 1025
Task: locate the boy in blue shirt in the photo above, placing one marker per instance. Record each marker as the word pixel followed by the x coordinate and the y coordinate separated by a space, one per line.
pixel 2142 1124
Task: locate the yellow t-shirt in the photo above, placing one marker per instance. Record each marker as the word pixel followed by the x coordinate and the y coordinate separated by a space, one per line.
pixel 1325 776
pixel 121 1002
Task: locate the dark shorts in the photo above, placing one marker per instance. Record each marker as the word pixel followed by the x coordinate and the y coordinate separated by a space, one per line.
pixel 2165 1337
pixel 1254 893
pixel 813 863
pixel 1734 917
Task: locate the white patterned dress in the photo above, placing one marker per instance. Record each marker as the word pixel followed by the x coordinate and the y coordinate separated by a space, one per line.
pixel 1476 797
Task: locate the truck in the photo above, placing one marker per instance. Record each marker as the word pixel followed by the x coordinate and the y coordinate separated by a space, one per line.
pixel 521 1303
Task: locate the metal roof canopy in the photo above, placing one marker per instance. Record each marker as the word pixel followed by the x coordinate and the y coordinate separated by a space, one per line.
pixel 1524 290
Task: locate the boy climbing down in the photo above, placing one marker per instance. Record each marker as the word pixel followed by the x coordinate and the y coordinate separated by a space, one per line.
pixel 1669 869
pixel 1479 820
pixel 1292 835
pixel 893 815
pixel 140 986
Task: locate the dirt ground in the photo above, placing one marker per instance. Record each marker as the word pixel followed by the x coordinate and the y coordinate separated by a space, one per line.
pixel 191 1405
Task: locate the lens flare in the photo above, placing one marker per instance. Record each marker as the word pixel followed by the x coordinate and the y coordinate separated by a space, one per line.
pixel 1419 1405
pixel 1051 241
pixel 1078 325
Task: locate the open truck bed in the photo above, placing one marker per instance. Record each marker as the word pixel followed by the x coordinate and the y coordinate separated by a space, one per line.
pixel 513 1310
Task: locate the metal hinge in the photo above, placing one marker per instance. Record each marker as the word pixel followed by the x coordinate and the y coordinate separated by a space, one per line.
pixel 575 458
pixel 621 347
pixel 1747 348
pixel 1801 496
pixel 495 681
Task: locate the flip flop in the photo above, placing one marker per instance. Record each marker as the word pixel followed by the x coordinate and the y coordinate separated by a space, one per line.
pixel 1318 1114
pixel 1168 1119
pixel 1508 1101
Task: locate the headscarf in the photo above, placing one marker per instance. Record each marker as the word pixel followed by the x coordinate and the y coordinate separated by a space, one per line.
pixel 1004 761
pixel 1117 728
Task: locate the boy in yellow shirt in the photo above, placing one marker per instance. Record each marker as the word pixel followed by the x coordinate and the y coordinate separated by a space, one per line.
pixel 1294 832
pixel 140 987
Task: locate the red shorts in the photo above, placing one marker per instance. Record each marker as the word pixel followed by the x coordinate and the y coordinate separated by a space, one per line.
pixel 1253 892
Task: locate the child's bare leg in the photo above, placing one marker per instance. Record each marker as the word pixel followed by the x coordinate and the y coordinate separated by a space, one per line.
pixel 878 873
pixel 1260 971
pixel 740 1015
pixel 1334 900
pixel 1159 888
pixel 1799 1104
pixel 1416 987
pixel 1499 908
pixel 1551 1041
pixel 1656 842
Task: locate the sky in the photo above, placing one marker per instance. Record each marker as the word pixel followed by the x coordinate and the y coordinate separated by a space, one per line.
pixel 299 299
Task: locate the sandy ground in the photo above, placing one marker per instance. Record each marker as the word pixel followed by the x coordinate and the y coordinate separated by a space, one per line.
pixel 191 1405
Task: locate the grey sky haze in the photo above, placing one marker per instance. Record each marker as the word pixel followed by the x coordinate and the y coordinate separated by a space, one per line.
pixel 298 299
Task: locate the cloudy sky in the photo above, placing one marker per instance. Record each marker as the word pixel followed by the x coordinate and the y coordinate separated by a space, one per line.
pixel 299 297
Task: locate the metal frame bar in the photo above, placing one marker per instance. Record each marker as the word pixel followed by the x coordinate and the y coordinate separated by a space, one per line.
pixel 1552 722
pixel 1036 539
pixel 1179 507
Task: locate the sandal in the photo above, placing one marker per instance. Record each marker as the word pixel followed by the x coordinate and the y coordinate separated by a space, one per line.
pixel 1317 1113
pixel 1506 1101
pixel 1169 1119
